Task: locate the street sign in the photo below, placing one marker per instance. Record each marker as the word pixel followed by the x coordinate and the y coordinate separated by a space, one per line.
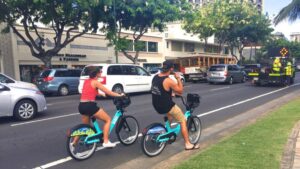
pixel 279 52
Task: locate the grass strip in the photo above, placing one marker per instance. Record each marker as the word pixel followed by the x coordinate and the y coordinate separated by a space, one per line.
pixel 258 146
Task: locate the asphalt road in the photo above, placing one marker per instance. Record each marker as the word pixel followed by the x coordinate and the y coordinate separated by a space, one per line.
pixel 41 143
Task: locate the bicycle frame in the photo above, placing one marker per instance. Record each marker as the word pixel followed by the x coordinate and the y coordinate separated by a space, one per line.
pixel 171 131
pixel 99 132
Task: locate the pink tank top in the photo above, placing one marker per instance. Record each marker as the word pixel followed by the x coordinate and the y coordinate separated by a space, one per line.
pixel 88 92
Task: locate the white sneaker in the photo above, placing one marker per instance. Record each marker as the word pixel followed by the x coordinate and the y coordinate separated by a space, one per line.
pixel 109 145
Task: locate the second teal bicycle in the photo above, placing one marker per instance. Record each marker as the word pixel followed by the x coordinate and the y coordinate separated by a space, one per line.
pixel 156 135
pixel 127 130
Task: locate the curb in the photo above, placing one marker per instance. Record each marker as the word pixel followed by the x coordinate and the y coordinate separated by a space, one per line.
pixel 287 160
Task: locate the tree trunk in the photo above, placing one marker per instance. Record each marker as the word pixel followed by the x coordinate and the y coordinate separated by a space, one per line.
pixel 205 45
pixel 117 55
pixel 47 61
pixel 251 53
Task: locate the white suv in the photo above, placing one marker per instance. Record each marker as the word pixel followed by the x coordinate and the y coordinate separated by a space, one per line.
pixel 121 78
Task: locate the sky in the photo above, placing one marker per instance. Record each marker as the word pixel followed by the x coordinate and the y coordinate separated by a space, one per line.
pixel 273 7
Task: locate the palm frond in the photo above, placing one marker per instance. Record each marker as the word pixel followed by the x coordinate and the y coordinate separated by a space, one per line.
pixel 291 12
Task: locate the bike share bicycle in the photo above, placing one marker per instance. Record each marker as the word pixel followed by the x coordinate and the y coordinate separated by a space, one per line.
pixel 127 130
pixel 156 135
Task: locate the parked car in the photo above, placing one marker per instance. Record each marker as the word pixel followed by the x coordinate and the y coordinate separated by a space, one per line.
pixel 121 78
pixel 157 70
pixel 229 73
pixel 58 81
pixel 21 101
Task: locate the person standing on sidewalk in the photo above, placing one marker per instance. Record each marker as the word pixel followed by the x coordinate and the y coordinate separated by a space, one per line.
pixel 162 88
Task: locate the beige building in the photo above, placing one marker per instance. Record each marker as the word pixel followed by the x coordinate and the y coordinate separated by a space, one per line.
pixel 16 59
pixel 295 36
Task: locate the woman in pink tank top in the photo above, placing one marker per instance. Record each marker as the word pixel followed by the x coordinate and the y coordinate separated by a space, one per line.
pixel 88 106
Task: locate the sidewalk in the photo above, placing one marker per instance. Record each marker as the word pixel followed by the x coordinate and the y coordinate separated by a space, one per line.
pixel 296 163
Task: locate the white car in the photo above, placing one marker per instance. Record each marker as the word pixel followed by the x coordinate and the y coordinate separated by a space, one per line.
pixel 120 78
pixel 20 99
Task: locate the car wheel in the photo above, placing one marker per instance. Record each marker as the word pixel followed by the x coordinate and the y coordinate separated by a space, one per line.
pixel 118 89
pixel 25 110
pixel 63 90
pixel 230 81
pixel 211 83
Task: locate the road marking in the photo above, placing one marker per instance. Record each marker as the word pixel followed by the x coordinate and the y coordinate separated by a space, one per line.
pixel 247 100
pixel 35 121
pixel 54 163
pixel 49 104
pixel 219 88
pixel 51 164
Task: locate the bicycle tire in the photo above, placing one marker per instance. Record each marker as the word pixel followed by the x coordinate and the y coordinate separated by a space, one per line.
pixel 127 130
pixel 76 151
pixel 149 140
pixel 194 129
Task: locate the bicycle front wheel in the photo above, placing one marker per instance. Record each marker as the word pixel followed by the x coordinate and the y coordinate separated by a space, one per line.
pixel 77 148
pixel 150 145
pixel 128 130
pixel 194 129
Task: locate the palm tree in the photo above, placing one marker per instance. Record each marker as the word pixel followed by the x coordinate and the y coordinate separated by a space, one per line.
pixel 291 11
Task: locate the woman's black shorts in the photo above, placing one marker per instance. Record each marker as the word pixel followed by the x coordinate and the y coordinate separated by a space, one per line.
pixel 88 108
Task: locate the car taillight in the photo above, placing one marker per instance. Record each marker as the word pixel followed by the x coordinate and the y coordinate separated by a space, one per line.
pixel 103 80
pixel 225 73
pixel 48 79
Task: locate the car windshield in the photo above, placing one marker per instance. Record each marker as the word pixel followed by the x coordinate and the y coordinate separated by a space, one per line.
pixel 154 70
pixel 217 68
pixel 85 71
pixel 45 73
pixel 4 79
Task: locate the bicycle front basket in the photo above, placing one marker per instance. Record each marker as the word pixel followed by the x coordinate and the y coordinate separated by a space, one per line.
pixel 122 102
pixel 193 100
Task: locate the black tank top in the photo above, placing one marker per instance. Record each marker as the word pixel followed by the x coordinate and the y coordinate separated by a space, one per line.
pixel 161 99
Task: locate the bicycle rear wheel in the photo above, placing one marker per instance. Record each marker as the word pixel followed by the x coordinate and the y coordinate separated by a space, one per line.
pixel 128 130
pixel 77 148
pixel 194 129
pixel 150 146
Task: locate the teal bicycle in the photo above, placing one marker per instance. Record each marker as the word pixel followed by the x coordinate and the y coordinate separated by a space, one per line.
pixel 127 130
pixel 156 135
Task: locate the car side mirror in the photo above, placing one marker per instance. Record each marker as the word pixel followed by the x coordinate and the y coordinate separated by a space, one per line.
pixel 4 88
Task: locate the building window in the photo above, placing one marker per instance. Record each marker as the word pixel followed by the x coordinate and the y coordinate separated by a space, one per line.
pixel 152 47
pixel 176 46
pixel 189 47
pixel 140 46
pixel 167 45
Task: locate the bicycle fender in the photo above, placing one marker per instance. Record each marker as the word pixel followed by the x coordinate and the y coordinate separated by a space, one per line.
pixel 81 129
pixel 150 126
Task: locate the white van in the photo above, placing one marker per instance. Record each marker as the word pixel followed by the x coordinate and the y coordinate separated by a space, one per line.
pixel 119 78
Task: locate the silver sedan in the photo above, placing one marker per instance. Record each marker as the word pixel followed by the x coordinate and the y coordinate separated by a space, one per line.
pixel 22 102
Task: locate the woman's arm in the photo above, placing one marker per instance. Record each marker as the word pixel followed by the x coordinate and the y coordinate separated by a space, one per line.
pixel 105 90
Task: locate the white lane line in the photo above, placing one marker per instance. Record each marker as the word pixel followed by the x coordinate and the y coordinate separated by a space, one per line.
pixel 51 164
pixel 54 163
pixel 247 100
pixel 219 89
pixel 49 104
pixel 35 121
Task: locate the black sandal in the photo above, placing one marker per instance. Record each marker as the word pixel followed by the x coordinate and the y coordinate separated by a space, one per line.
pixel 195 147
